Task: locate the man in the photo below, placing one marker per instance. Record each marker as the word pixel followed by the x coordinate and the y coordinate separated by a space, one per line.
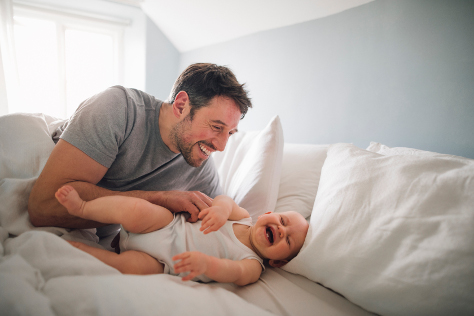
pixel 125 142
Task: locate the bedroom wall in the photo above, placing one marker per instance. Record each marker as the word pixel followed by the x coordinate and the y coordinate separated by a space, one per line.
pixel 162 62
pixel 396 72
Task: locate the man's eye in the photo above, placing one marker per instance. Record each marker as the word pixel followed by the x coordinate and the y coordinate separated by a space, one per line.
pixel 217 128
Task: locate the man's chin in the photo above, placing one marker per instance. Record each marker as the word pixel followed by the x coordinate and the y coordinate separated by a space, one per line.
pixel 194 158
pixel 195 162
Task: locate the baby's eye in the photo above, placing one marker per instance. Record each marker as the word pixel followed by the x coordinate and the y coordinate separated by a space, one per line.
pixel 281 220
pixel 288 240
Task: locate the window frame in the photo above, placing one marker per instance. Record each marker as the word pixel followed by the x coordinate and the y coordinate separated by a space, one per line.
pixel 65 19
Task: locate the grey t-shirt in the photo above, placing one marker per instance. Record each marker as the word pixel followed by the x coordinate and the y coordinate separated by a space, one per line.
pixel 118 128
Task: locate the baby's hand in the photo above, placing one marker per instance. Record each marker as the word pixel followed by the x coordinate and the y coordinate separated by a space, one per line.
pixel 194 262
pixel 213 218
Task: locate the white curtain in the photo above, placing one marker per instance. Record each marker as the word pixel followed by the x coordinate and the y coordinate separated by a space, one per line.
pixel 9 87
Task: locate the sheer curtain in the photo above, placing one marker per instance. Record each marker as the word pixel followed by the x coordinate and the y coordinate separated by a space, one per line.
pixel 8 66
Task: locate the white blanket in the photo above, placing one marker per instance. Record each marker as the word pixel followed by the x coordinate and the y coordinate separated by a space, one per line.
pixel 41 274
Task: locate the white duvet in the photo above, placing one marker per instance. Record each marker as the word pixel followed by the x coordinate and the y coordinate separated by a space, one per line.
pixel 41 274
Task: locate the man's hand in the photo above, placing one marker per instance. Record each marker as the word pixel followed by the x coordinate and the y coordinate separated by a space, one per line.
pixel 194 262
pixel 213 218
pixel 191 202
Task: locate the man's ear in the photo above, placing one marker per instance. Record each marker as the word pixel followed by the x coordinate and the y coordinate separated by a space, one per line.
pixel 277 263
pixel 180 103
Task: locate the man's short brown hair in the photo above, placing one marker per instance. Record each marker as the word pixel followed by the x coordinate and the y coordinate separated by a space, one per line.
pixel 202 82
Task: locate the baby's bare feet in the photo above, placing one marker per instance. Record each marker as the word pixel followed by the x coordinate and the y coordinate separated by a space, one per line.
pixel 70 199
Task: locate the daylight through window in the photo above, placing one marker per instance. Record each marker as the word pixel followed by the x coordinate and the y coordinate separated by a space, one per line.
pixel 62 59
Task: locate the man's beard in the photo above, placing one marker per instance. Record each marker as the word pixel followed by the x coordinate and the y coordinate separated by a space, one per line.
pixel 177 136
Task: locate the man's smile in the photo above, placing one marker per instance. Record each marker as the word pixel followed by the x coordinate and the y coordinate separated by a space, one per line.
pixel 205 150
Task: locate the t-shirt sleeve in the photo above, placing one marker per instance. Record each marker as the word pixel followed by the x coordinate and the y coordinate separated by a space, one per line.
pixel 100 125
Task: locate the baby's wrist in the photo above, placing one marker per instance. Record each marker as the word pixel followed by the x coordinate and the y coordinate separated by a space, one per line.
pixel 211 266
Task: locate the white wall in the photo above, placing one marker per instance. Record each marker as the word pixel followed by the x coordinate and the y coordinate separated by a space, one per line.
pixel 397 72
pixel 162 62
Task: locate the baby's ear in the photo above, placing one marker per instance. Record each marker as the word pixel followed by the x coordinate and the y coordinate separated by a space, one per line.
pixel 277 263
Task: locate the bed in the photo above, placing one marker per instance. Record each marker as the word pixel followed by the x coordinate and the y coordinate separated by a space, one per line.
pixel 391 233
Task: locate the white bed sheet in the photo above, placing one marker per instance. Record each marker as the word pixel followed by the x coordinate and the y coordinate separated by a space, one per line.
pixel 284 293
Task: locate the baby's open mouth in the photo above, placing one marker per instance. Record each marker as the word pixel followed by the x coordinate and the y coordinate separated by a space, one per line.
pixel 269 235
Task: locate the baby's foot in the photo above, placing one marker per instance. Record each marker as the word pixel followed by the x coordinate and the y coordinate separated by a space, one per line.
pixel 70 199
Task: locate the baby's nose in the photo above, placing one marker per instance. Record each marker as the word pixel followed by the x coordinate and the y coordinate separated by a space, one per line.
pixel 281 231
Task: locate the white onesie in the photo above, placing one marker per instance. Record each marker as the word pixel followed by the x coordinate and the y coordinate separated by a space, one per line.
pixel 180 236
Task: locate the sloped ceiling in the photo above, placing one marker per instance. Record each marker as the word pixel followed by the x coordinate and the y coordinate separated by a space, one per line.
pixel 191 24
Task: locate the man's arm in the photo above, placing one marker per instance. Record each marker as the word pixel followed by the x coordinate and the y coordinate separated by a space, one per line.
pixel 69 165
pixel 240 272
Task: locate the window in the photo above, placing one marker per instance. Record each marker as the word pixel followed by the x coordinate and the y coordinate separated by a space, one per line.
pixel 63 58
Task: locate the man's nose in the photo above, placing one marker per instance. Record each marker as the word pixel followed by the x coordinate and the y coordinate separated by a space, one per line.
pixel 221 141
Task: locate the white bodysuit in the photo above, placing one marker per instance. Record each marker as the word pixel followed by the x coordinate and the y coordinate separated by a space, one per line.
pixel 180 236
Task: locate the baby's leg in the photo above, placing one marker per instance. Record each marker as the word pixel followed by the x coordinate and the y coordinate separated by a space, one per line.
pixel 128 262
pixel 136 215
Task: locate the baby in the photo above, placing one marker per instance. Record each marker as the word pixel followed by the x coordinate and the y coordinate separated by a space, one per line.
pixel 154 240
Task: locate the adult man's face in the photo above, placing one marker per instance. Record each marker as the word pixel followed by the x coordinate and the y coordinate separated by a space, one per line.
pixel 208 131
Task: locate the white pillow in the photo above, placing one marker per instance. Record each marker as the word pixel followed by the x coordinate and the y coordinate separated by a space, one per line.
pixel 393 234
pixel 393 151
pixel 25 143
pixel 300 173
pixel 250 166
pixel 25 146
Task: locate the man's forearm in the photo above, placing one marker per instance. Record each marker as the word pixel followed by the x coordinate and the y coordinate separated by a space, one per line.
pixel 45 210
pixel 69 165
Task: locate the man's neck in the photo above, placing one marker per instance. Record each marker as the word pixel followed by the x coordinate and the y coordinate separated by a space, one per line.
pixel 166 123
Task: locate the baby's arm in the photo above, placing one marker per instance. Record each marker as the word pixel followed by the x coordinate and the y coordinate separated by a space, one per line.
pixel 223 208
pixel 240 272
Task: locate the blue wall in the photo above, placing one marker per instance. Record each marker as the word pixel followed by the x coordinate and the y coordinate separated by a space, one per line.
pixel 162 62
pixel 396 72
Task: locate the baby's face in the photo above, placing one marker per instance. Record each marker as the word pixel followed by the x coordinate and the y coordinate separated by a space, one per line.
pixel 279 236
